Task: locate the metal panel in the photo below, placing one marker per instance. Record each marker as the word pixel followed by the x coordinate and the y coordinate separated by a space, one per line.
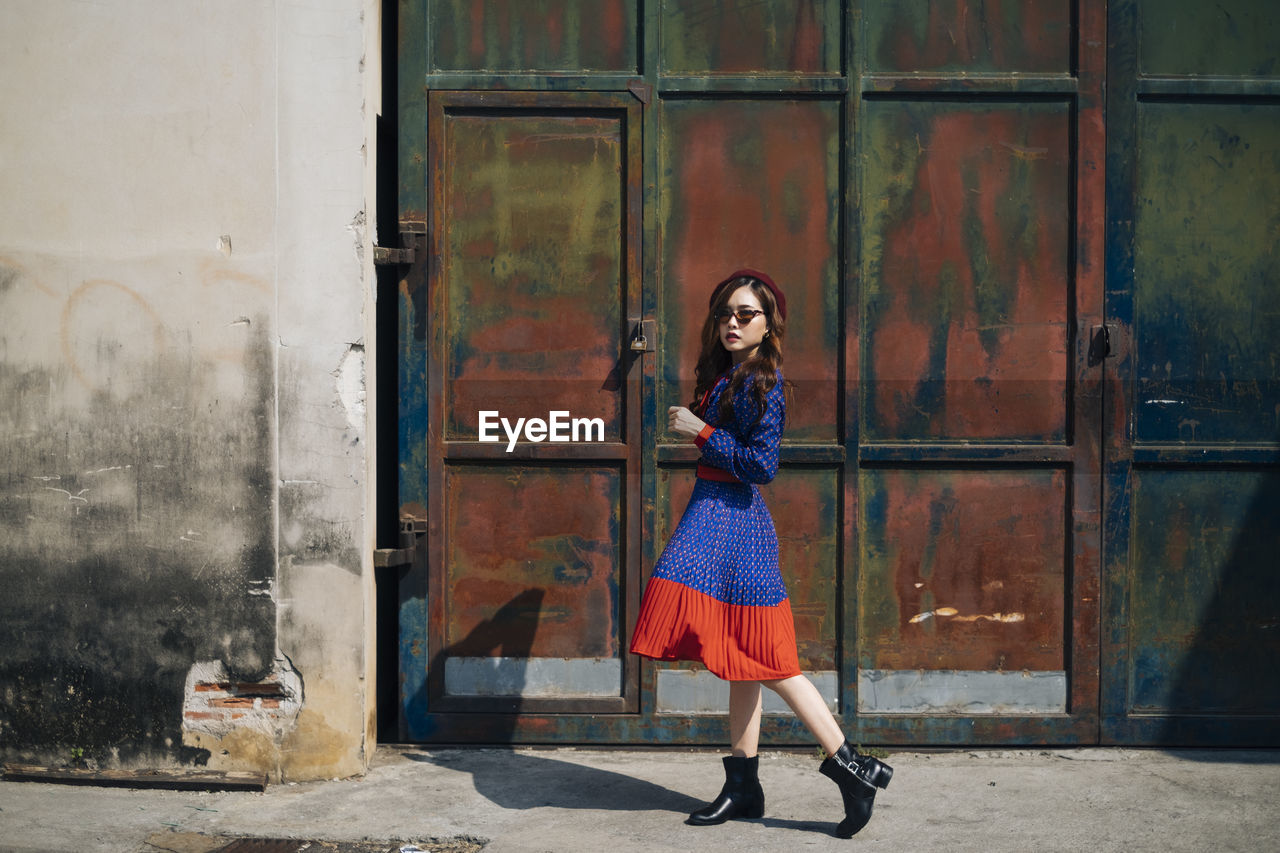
pixel 684 691
pixel 1204 592
pixel 966 276
pixel 1225 38
pixel 1193 471
pixel 533 35
pixel 751 37
pixel 534 273
pixel 1206 304
pixel 948 691
pixel 559 559
pixel 1031 36
pixel 963 570
pixel 533 676
pixel 980 203
pixel 753 183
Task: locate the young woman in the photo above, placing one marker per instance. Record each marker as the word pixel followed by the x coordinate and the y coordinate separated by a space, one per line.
pixel 716 595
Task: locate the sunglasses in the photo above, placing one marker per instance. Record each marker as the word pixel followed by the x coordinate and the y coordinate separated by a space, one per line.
pixel 744 315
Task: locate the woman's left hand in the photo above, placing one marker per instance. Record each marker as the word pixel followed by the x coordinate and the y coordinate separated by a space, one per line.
pixel 684 422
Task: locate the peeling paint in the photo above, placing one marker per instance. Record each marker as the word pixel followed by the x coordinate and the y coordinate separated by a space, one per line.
pixel 351 388
pixel 215 704
pixel 953 613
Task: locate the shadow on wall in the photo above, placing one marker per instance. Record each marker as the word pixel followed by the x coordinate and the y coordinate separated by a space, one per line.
pixel 1229 666
pixel 508 634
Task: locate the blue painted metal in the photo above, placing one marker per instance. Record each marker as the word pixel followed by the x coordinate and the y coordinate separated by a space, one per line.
pixel 1193 423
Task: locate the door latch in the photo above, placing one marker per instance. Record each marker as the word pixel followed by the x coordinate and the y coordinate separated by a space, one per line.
pixel 1100 344
pixel 644 335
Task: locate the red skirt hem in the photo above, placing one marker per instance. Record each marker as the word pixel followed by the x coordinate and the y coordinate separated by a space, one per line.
pixel 736 642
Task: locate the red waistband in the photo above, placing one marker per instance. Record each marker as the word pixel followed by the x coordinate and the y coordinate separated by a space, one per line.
pixel 710 472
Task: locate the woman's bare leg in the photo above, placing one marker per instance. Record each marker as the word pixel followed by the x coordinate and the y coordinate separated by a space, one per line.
pixel 744 717
pixel 807 703
pixel 857 775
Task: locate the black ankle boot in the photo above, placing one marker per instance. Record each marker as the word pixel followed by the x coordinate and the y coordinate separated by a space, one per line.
pixel 858 777
pixel 741 795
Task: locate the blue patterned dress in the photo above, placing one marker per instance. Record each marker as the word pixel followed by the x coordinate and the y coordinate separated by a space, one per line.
pixel 717 595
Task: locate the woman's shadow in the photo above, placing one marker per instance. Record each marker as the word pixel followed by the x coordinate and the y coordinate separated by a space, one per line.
pixel 516 779
pixel 1227 670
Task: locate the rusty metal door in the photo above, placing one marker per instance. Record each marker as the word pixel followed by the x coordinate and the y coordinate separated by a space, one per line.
pixel 532 405
pixel 925 181
pixel 1193 458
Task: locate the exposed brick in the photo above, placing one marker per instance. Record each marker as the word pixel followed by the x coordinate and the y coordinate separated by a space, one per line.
pixel 270 703
pixel 268 688
pixel 231 702
pixel 210 686
pixel 203 715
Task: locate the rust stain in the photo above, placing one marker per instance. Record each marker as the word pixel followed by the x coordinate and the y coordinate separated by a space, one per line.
pixel 1027 152
pixel 1031 36
pixel 564 548
pixel 967 295
pixel 756 183
pixel 941 587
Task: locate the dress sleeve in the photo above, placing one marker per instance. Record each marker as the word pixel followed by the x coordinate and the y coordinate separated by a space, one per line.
pixel 751 456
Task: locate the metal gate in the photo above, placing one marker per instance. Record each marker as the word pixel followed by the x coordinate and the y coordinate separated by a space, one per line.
pixel 1193 473
pixel 925 179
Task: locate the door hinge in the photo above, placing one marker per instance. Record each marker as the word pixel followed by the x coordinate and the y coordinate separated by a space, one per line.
pixel 386 256
pixel 388 558
pixel 411 529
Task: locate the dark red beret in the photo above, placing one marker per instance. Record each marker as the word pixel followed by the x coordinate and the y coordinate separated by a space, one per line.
pixel 763 279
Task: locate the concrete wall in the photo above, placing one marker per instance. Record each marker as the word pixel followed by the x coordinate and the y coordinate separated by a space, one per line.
pixel 185 295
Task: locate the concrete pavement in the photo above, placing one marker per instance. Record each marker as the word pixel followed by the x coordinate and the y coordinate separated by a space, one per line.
pixel 539 800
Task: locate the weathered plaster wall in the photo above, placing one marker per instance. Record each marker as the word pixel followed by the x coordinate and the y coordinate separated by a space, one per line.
pixel 183 289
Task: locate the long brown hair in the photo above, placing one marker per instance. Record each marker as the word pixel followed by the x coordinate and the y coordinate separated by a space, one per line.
pixel 762 369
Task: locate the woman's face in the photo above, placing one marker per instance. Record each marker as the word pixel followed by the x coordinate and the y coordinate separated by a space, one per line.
pixel 742 337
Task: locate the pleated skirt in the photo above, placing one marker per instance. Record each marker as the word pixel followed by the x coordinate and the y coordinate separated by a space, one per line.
pixel 717 595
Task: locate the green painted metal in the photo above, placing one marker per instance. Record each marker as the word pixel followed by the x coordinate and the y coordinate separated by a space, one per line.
pixel 533 270
pixel 1203 592
pixel 1226 38
pixel 1206 305
pixel 411 114
pixel 751 37
pixel 1192 472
